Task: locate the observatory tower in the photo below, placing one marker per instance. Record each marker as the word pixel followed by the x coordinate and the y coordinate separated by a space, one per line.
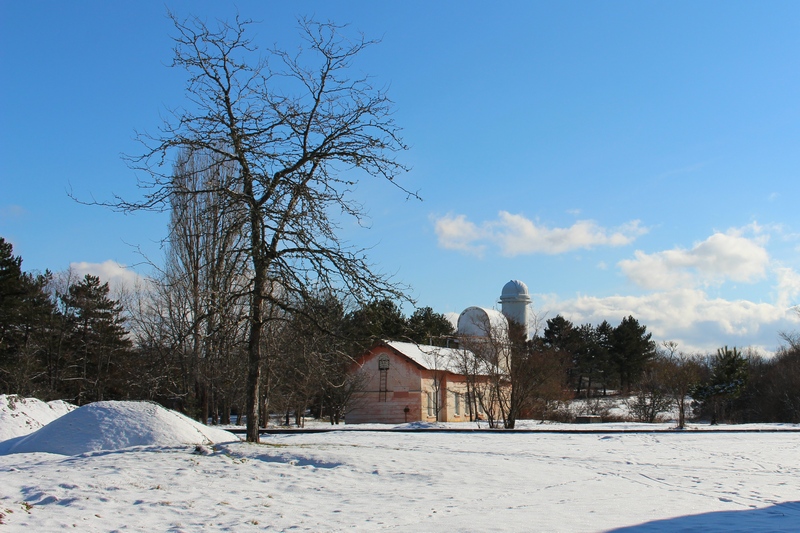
pixel 514 301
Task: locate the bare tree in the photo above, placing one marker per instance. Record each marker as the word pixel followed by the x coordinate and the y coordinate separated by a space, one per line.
pixel 486 363
pixel 535 374
pixel 474 371
pixel 792 338
pixel 439 363
pixel 159 356
pixel 680 374
pixel 511 375
pixel 651 396
pixel 342 388
pixel 205 274
pixel 299 132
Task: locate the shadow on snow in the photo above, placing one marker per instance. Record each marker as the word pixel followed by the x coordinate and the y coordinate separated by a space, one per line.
pixel 779 517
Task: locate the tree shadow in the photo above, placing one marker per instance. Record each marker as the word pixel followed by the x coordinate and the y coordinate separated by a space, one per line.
pixel 294 460
pixel 779 517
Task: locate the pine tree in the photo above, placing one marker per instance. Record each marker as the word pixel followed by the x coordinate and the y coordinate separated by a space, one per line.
pixel 631 350
pixel 98 340
pixel 728 380
pixel 26 314
pixel 564 338
pixel 12 292
pixel 380 319
pixel 426 326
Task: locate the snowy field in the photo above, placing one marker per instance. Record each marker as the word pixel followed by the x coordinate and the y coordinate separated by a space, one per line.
pixel 170 478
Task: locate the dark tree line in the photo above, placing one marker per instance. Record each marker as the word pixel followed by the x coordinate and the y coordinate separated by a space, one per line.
pixel 727 386
pixel 602 356
pixel 746 387
pixel 182 338
pixel 65 342
pixel 183 342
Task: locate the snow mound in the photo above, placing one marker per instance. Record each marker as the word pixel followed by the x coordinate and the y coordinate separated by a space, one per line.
pixel 21 416
pixel 107 426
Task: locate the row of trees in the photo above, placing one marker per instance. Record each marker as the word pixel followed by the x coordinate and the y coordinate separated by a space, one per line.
pixel 60 338
pixel 65 337
pixel 512 376
pixel 729 385
pixel 532 378
pixel 725 386
pixel 601 356
pixel 182 338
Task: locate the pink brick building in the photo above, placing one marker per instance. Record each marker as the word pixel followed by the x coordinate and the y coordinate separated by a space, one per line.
pixel 408 382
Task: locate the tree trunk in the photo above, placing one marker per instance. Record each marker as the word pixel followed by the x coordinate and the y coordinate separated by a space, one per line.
pixel 254 363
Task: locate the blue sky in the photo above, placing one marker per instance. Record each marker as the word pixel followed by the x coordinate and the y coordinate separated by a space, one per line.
pixel 618 157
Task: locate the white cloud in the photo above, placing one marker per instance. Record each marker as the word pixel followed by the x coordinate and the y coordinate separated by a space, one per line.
pixel 697 322
pixel 458 233
pixel 721 257
pixel 679 304
pixel 118 276
pixel 788 287
pixel 516 235
pixel 678 308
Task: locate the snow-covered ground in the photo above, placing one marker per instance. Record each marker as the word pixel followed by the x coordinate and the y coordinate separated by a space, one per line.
pixel 371 481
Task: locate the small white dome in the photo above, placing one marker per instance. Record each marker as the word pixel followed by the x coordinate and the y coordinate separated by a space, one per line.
pixel 515 290
pixel 481 322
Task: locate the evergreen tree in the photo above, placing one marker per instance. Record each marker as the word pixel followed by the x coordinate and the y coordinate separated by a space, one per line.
pixel 380 319
pixel 12 294
pixel 728 380
pixel 561 336
pixel 428 327
pixel 26 314
pixel 605 344
pixel 98 340
pixel 631 350
pixel 591 357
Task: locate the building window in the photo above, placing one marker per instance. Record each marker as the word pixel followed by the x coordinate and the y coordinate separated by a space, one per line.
pixel 457 403
pixel 430 404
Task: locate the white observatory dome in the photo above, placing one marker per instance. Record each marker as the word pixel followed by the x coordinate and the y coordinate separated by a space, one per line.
pixel 514 300
pixel 515 290
pixel 480 322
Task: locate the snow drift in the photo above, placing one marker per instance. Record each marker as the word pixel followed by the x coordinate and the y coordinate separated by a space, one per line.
pixel 107 426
